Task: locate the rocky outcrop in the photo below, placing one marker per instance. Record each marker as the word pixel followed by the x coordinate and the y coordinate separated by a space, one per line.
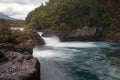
pixel 16 66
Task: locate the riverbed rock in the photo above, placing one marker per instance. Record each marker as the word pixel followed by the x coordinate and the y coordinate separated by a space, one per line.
pixel 16 66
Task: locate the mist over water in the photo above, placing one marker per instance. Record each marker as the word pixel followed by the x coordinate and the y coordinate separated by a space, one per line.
pixel 78 60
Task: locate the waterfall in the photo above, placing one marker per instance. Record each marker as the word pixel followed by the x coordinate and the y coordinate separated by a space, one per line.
pixel 50 41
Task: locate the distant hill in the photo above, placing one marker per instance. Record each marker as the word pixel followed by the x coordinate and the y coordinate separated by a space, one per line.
pixel 13 22
pixel 4 16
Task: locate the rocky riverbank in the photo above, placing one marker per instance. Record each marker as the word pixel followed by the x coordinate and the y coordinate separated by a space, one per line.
pixel 16 66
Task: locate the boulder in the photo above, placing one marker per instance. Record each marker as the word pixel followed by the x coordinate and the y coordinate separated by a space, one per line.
pixel 16 66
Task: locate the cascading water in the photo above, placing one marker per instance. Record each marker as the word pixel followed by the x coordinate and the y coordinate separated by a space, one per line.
pixel 49 41
pixel 78 60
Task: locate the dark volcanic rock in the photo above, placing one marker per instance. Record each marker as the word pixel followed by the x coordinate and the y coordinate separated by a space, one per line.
pixel 16 66
pixel 82 34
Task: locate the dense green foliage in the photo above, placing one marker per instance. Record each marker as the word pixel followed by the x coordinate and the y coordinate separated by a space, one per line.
pixel 18 23
pixel 5 31
pixel 21 40
pixel 66 15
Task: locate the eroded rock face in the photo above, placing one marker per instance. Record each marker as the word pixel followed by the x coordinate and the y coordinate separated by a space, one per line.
pixel 16 66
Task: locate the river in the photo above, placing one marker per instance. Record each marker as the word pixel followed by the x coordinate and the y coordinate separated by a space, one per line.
pixel 78 60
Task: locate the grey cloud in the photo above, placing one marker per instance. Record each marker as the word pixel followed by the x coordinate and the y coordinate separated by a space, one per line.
pixel 35 2
pixel 15 1
pixel 19 8
pixel 12 12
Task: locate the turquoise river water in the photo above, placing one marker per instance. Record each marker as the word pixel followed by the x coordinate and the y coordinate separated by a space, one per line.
pixel 78 60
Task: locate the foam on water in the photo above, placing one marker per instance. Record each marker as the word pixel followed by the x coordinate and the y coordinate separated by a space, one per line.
pixel 47 53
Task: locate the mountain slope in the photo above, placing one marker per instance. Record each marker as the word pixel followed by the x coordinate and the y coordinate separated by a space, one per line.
pixel 4 16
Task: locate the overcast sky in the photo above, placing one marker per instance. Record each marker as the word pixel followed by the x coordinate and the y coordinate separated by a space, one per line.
pixel 19 8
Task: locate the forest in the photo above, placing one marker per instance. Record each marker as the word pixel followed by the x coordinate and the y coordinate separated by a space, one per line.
pixel 66 15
